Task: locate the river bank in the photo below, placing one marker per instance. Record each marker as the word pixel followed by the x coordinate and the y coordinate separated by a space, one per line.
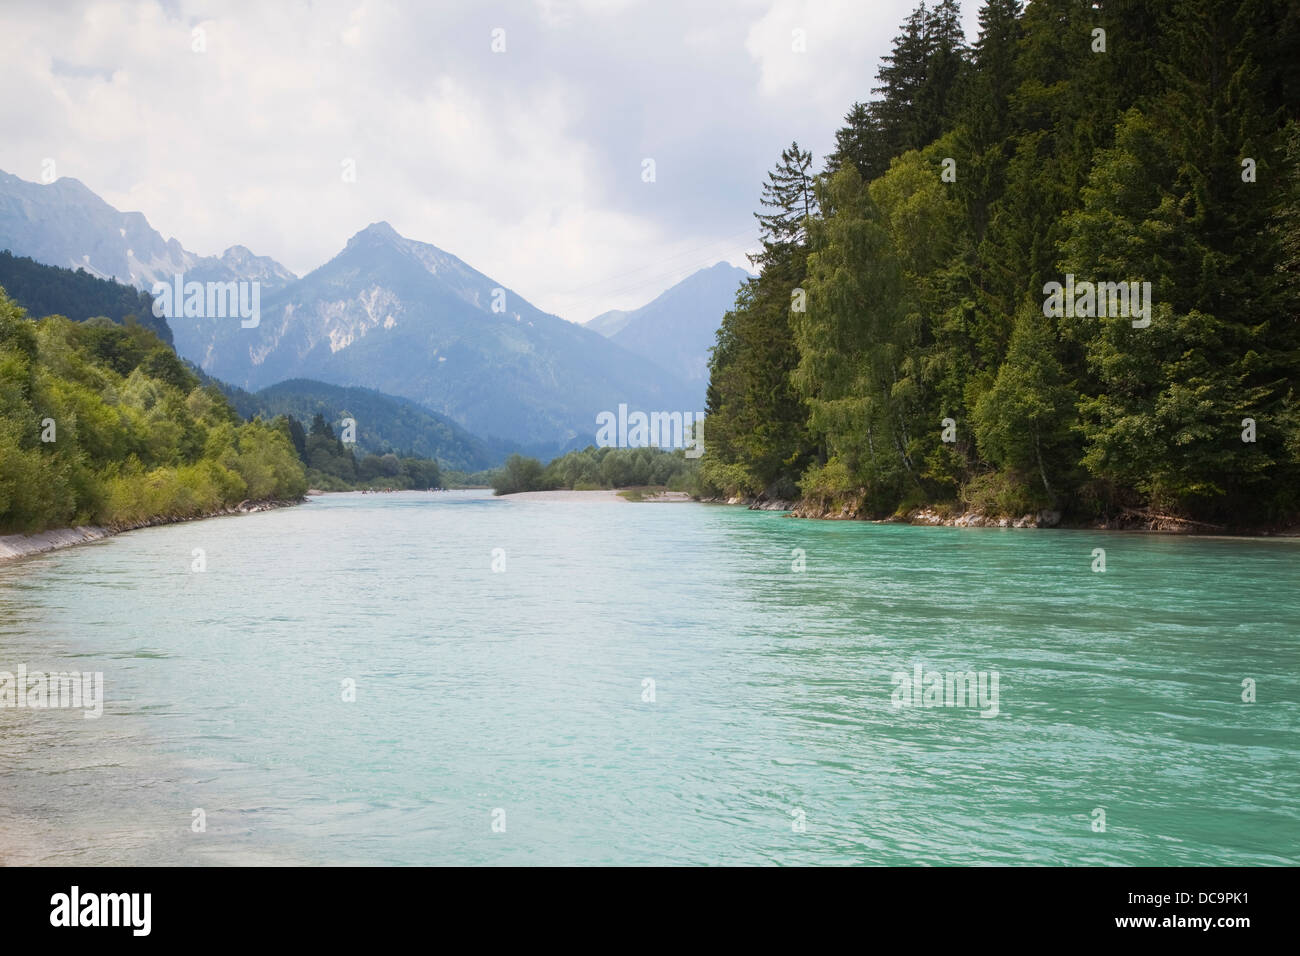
pixel 15 546
pixel 1128 520
pixel 564 494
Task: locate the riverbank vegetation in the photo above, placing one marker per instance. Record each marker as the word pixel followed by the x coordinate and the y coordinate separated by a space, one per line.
pixel 332 465
pixel 899 347
pixel 595 468
pixel 101 423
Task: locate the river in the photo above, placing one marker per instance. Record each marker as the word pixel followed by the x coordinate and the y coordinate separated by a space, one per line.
pixel 450 678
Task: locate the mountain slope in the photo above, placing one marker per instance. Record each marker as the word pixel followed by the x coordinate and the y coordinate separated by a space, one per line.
pixel 677 329
pixel 406 318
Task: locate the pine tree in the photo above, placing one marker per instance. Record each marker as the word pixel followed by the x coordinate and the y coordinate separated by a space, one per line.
pixel 945 64
pixel 859 142
pixel 1023 423
pixel 901 76
pixel 986 106
pixel 788 192
pixel 756 437
pixel 321 428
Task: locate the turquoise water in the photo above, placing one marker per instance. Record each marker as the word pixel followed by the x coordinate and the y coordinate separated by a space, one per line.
pixel 772 736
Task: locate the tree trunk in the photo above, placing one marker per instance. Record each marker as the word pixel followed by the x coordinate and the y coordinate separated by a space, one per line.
pixel 1042 472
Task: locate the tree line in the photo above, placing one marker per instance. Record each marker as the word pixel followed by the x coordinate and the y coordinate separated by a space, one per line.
pixel 51 290
pixel 332 464
pixel 598 468
pixel 101 422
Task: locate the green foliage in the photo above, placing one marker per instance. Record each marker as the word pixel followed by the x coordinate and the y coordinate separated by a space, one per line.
pixel 101 423
pixel 452 478
pixel 1004 493
pixel 852 336
pixel 333 466
pixel 518 474
pixel 1023 422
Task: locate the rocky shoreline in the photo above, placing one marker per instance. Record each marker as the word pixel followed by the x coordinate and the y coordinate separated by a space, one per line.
pixel 15 546
pixel 852 509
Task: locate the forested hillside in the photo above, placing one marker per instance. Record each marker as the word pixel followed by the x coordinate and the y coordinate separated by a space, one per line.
pixel 101 423
pixel 901 345
pixel 50 290
pixel 384 423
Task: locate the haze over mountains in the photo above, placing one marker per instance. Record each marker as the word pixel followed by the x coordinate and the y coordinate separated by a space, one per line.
pixel 399 316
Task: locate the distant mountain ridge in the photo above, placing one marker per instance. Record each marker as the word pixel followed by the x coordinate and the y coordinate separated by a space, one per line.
pixel 609 323
pixel 66 224
pixel 677 328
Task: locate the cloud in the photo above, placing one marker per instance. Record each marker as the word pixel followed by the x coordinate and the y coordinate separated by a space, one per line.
pixel 796 41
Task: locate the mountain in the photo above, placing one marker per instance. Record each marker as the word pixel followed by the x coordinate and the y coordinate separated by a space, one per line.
pixel 384 423
pixel 239 262
pixel 409 319
pixel 65 224
pixel 608 323
pixel 50 290
pixel 677 329
pixel 386 313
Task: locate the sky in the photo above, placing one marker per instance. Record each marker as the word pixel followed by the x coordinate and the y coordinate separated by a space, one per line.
pixel 288 127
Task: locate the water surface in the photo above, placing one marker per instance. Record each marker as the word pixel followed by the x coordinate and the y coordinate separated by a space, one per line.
pixel 522 695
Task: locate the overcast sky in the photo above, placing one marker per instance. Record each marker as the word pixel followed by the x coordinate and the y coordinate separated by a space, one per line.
pixel 526 163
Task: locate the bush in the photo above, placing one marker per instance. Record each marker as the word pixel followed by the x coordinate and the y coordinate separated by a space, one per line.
pixel 518 474
pixel 1003 493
